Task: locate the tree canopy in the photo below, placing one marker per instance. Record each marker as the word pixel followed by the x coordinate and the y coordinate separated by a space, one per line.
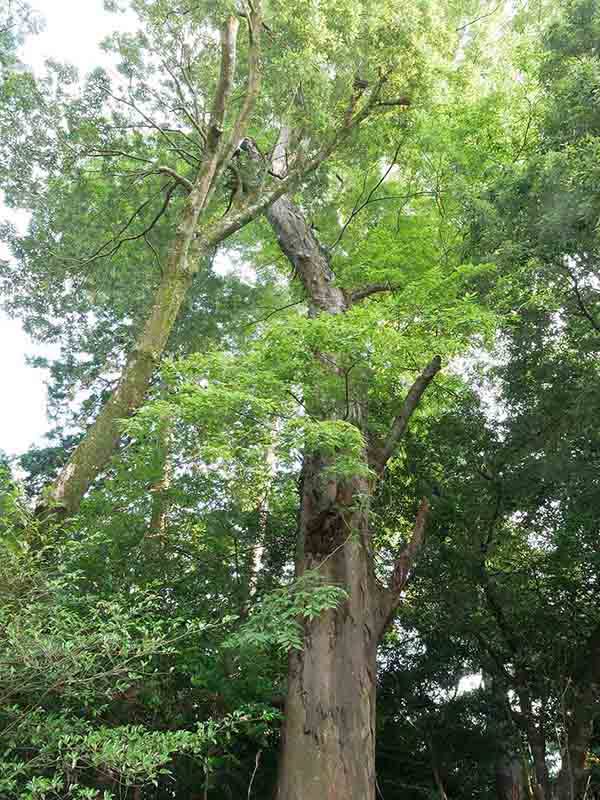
pixel 316 516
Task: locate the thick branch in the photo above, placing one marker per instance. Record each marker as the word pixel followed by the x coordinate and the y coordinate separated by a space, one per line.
pixel 252 90
pixel 403 567
pixel 228 60
pixel 373 288
pixel 411 402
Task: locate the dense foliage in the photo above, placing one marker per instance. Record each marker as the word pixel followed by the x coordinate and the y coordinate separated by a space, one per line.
pixel 391 214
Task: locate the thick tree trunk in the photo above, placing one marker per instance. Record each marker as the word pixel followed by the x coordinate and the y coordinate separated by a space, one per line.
pixel 537 743
pixel 308 258
pixel 328 747
pixel 509 768
pixel 328 750
pixel 579 714
pixel 573 778
pixel 509 777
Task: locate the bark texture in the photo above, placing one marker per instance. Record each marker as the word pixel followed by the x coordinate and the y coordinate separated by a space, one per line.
pixel 329 731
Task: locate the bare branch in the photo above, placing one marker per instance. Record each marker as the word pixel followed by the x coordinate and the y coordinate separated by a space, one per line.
pixel 359 207
pixel 117 241
pixel 273 312
pixel 477 19
pixel 187 156
pixel 411 402
pixel 192 118
pixel 110 153
pixel 582 306
pixel 526 134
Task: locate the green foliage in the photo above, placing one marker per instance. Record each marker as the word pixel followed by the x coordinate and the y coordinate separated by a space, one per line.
pixel 69 662
pixel 277 620
pixel 148 657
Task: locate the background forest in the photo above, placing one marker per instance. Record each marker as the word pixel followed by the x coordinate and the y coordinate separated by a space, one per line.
pixel 317 516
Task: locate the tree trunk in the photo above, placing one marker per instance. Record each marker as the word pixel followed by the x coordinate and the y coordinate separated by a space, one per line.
pixel 541 787
pixel 328 750
pixel 190 243
pixel 328 744
pixel 573 778
pixel 100 441
pixel 160 501
pixel 581 706
pixel 509 766
pixel 509 777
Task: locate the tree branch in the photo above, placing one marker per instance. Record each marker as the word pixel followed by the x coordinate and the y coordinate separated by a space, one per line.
pixel 582 307
pixel 372 288
pixel 185 154
pixel 358 206
pixel 479 18
pixel 416 391
pixel 238 131
pixel 403 566
pixel 188 185
pixel 228 60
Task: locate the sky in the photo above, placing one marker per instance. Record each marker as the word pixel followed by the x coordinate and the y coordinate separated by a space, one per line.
pixel 73 31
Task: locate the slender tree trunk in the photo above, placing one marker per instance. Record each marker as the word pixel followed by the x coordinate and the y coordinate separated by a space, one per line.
pixel 159 491
pixel 101 440
pixel 190 243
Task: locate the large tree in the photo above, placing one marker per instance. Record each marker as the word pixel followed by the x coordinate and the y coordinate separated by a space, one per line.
pixel 192 91
pixel 384 298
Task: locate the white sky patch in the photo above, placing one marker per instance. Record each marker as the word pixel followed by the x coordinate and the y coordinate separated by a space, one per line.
pixel 23 419
pixel 470 682
pixel 72 34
